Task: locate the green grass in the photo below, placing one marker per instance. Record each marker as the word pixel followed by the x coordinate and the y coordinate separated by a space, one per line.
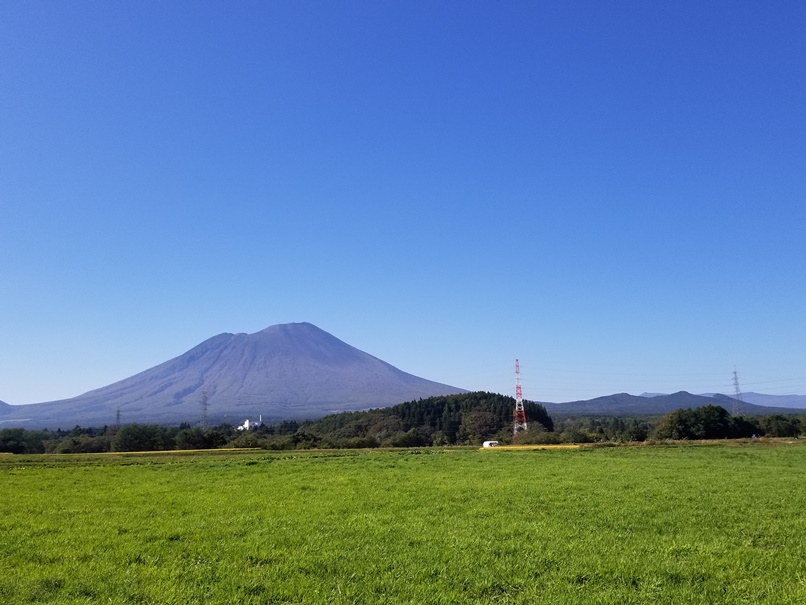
pixel 694 524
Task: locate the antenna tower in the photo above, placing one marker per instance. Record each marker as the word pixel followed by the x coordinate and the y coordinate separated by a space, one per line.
pixel 737 394
pixel 204 405
pixel 520 413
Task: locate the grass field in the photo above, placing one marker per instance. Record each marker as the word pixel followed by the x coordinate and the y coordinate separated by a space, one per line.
pixel 689 524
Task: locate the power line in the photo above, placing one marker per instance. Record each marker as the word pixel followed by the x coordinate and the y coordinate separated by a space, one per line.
pixel 203 404
pixel 737 394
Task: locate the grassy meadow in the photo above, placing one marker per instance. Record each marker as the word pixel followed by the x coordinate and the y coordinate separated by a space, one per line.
pixel 721 523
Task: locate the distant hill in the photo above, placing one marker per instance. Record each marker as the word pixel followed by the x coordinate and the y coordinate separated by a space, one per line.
pixel 795 402
pixel 624 404
pixel 779 402
pixel 285 372
pixel 444 420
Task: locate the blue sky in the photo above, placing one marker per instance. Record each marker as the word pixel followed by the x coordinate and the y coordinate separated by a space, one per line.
pixel 613 192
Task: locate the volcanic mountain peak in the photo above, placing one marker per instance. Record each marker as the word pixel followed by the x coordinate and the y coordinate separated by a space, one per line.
pixel 286 371
pixel 304 339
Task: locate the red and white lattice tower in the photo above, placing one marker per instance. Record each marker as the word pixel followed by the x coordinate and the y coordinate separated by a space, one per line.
pixel 520 413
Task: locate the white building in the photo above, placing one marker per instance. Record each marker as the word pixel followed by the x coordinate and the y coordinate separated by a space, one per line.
pixel 248 424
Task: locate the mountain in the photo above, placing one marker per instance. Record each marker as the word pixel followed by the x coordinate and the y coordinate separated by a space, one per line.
pixel 285 372
pixel 624 404
pixel 794 402
pixel 780 402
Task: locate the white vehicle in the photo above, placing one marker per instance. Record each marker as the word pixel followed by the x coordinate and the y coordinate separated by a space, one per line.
pixel 490 444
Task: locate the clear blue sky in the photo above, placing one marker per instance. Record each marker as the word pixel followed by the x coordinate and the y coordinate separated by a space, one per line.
pixel 613 192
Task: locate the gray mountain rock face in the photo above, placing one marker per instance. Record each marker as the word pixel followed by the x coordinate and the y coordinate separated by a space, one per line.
pixel 285 372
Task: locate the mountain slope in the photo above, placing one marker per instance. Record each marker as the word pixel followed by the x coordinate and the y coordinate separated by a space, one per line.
pixel 624 404
pixel 794 402
pixel 289 371
pixel 779 403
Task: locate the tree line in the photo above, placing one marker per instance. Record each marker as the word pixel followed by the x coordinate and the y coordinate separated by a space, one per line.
pixel 465 419
pixel 707 422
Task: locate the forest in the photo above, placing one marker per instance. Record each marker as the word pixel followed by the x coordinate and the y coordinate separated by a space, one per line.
pixel 466 419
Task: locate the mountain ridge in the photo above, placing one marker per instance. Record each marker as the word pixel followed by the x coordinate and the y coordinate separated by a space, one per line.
pixel 624 404
pixel 794 402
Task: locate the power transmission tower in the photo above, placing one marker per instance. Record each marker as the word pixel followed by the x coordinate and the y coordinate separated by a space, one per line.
pixel 737 394
pixel 204 405
pixel 520 413
pixel 117 418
